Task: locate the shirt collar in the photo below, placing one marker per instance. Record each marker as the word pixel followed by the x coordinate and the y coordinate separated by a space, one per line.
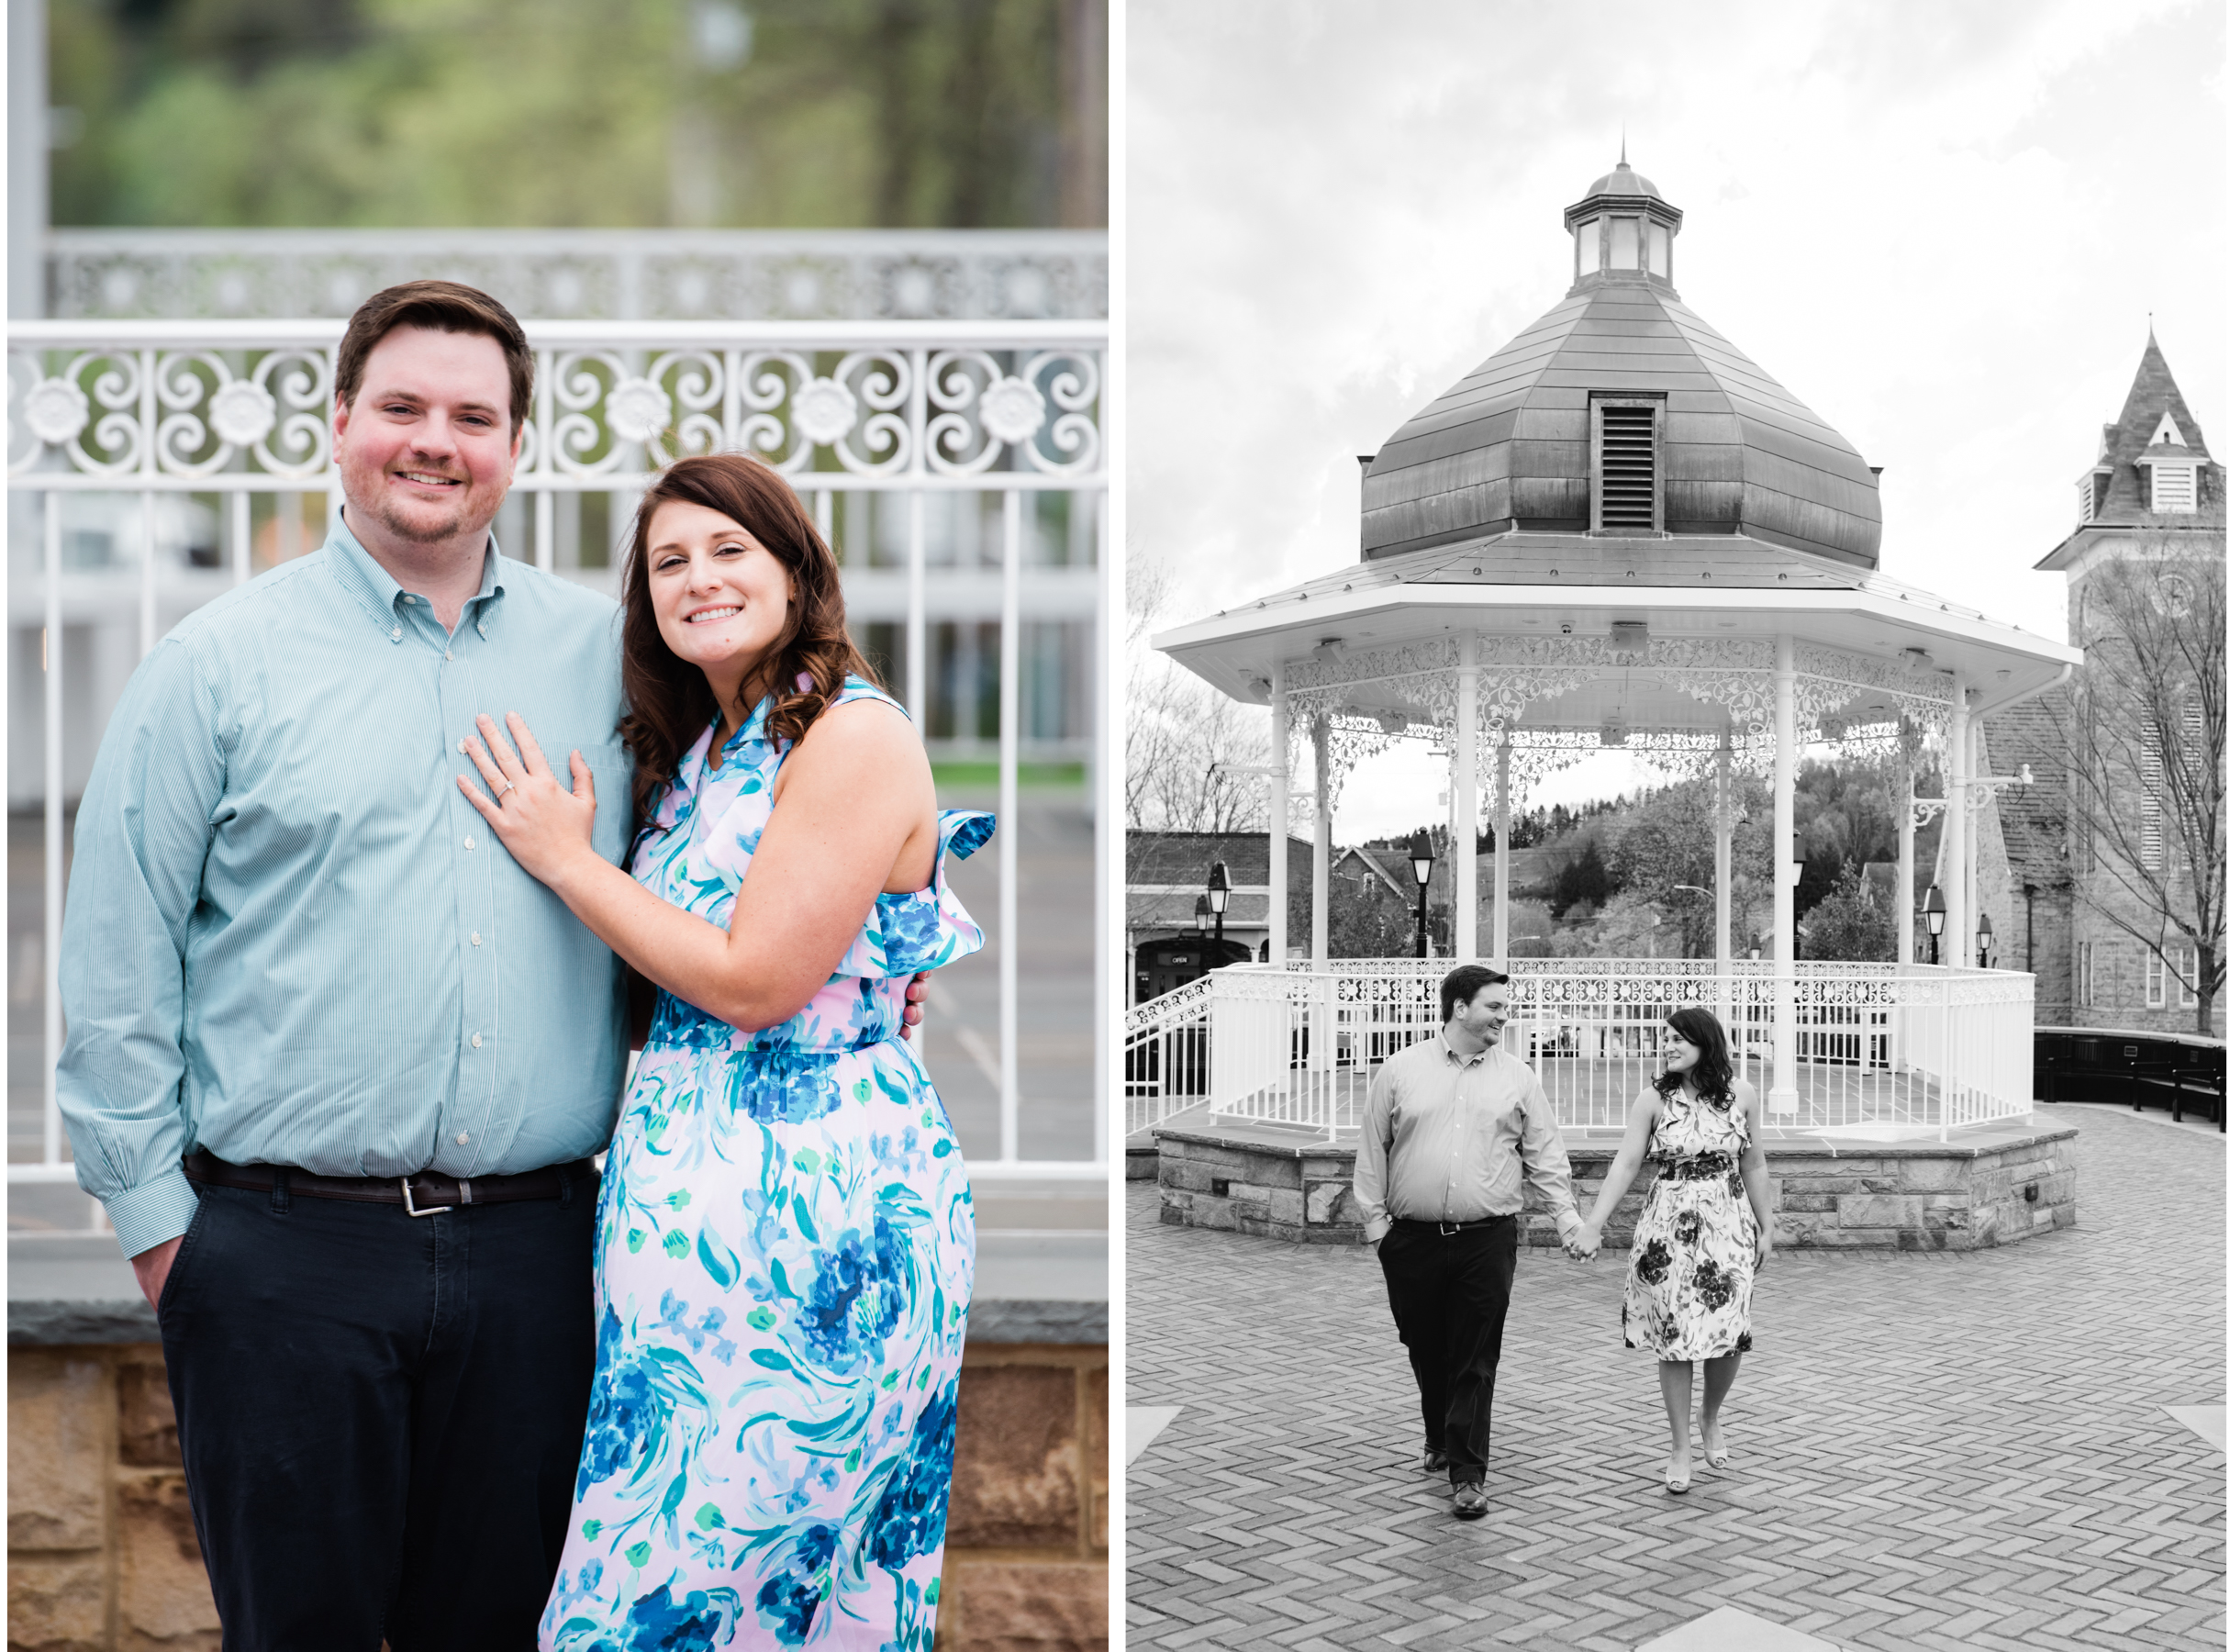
pixel 1450 1052
pixel 361 574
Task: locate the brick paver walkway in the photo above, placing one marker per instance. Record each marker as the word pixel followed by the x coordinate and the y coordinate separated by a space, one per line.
pixel 1930 1451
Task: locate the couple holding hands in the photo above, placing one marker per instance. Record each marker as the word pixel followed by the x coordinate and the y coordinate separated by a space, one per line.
pixel 1453 1128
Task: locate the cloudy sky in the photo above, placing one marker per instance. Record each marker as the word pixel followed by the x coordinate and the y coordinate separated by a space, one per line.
pixel 1940 223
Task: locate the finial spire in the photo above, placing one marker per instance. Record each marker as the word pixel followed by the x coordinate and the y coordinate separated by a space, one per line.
pixel 1622 143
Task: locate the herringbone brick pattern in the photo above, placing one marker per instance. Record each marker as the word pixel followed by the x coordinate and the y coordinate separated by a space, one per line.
pixel 1931 1451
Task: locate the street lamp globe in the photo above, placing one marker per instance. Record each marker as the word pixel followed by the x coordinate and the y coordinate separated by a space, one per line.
pixel 1420 856
pixel 1983 939
pixel 1219 888
pixel 1934 910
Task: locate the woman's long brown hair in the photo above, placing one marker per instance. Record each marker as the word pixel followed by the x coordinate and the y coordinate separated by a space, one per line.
pixel 669 701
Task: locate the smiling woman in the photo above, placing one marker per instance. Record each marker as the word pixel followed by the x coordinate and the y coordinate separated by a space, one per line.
pixel 785 1224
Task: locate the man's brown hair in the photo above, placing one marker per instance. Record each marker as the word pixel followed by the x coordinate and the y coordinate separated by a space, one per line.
pixel 447 307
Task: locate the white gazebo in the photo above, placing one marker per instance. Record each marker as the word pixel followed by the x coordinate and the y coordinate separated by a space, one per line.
pixel 1618 531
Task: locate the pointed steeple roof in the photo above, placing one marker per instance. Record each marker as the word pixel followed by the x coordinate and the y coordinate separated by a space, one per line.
pixel 2152 394
pixel 2128 450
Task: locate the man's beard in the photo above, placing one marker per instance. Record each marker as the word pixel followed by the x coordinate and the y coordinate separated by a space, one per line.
pixel 393 521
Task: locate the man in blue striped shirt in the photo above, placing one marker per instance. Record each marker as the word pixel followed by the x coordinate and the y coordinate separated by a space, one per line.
pixel 336 1065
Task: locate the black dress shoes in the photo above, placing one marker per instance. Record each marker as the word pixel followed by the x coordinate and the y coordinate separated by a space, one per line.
pixel 1470 1500
pixel 1435 1460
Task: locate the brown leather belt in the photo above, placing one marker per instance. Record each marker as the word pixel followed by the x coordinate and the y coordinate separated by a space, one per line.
pixel 425 1193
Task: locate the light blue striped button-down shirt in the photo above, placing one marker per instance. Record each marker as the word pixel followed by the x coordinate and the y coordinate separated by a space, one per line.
pixel 289 938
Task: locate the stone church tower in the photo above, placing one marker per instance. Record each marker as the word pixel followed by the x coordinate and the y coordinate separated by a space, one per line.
pixel 2153 484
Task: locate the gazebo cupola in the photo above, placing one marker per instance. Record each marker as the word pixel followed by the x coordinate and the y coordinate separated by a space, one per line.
pixel 1624 231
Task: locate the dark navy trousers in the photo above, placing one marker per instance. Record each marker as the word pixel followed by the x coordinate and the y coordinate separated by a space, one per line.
pixel 1450 1294
pixel 381 1416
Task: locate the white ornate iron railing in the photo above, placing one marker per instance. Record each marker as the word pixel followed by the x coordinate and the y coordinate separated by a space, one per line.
pixel 997 424
pixel 1881 1050
pixel 582 274
pixel 1164 1056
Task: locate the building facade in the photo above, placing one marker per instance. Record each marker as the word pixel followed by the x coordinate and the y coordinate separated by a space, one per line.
pixel 2063 905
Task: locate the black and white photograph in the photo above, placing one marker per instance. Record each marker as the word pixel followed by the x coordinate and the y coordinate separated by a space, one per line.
pixel 1673 827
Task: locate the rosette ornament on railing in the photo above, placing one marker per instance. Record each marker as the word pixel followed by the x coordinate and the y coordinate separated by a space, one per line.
pixel 181 416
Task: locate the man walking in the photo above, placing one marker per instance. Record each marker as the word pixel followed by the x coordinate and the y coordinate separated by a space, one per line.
pixel 1454 1127
pixel 336 1065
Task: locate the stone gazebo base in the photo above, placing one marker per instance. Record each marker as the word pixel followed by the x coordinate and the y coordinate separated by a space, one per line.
pixel 1991 1184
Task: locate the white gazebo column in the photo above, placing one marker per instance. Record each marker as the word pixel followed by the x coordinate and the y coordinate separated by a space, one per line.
pixel 1464 932
pixel 1957 917
pixel 1281 804
pixel 1904 855
pixel 1781 1098
pixel 1320 881
pixel 1501 853
pixel 1723 867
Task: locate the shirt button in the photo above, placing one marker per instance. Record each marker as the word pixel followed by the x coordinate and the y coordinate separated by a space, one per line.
pixel 468 842
pixel 475 937
pixel 461 745
pixel 464 1136
pixel 447 655
pixel 395 635
pixel 475 1041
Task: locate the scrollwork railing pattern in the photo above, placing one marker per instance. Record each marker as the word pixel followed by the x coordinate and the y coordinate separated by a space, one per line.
pixel 244 408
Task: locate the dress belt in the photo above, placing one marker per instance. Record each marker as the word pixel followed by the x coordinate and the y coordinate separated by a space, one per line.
pixel 423 1193
pixel 1426 1224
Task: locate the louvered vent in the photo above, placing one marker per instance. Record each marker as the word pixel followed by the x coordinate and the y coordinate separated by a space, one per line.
pixel 2173 488
pixel 1630 468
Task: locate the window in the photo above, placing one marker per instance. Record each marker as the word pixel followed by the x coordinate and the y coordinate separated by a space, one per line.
pixel 1625 251
pixel 2155 981
pixel 2148 784
pixel 2090 496
pixel 2086 954
pixel 1660 251
pixel 2187 970
pixel 2175 489
pixel 1627 465
pixel 1591 246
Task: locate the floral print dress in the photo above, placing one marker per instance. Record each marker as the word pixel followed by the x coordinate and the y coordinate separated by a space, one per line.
pixel 1695 1246
pixel 784 1251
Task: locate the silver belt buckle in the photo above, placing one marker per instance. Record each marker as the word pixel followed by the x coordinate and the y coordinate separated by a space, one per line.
pixel 1447 1228
pixel 410 1208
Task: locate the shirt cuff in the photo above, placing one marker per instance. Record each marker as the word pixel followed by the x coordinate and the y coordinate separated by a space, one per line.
pixel 1567 1223
pixel 153 1213
pixel 1375 1228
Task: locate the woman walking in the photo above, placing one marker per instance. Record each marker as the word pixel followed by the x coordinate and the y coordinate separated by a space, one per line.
pixel 1706 1226
pixel 785 1242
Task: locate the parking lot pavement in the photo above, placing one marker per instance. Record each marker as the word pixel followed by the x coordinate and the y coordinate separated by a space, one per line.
pixel 1930 1451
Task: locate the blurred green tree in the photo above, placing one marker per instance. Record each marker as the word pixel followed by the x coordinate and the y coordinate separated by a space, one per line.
pixel 580 113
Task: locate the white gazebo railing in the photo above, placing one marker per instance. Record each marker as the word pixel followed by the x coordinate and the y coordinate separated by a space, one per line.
pixel 897 434
pixel 1881 1050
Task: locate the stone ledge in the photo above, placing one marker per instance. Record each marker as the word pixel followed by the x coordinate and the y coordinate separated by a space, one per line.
pixel 1993 1186
pixel 76 1291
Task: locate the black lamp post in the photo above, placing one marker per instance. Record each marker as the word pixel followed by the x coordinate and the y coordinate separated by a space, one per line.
pixel 1982 941
pixel 1200 913
pixel 1421 864
pixel 1219 896
pixel 1934 911
pixel 1796 877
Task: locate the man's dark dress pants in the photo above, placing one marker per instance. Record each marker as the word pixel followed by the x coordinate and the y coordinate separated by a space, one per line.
pixel 1449 1293
pixel 381 1416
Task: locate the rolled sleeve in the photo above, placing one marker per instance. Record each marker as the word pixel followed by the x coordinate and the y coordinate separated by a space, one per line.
pixel 143 836
pixel 1374 1139
pixel 1548 1168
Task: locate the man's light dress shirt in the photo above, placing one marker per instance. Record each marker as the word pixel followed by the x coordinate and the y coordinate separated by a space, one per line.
pixel 291 940
pixel 1447 1138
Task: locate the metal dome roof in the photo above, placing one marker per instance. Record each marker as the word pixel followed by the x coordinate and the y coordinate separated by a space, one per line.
pixel 1508 446
pixel 1622 180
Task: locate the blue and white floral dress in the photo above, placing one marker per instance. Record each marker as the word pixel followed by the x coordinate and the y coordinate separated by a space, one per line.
pixel 784 1251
